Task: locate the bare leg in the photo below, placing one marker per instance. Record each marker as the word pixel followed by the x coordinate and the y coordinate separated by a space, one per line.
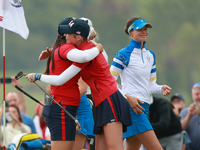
pixel 183 147
pixel 61 145
pixel 79 142
pixel 132 143
pixel 100 143
pixel 113 135
pixel 148 139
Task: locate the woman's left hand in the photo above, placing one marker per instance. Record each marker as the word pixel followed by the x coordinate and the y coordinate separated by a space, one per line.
pixel 134 103
pixel 45 54
pixel 31 77
pixel 166 90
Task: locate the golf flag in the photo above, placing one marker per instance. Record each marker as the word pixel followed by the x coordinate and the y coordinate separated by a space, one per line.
pixel 12 17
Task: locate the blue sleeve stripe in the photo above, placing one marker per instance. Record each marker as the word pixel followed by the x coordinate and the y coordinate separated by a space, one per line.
pixel 118 65
pixel 122 58
pixel 153 70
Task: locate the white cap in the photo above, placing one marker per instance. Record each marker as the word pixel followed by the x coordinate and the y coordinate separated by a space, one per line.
pixel 88 21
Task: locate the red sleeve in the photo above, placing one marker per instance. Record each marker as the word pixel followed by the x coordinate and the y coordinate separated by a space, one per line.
pixel 65 49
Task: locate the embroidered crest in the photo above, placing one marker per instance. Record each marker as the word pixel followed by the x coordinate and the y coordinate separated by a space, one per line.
pixel 148 58
pixel 16 3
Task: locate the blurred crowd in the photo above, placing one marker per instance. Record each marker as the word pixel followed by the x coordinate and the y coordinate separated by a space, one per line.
pixel 16 119
pixel 176 126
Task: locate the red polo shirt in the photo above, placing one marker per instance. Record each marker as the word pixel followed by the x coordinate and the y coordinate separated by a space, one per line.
pixel 96 74
pixel 68 93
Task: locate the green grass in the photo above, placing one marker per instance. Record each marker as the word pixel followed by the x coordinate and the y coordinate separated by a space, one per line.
pixel 30 88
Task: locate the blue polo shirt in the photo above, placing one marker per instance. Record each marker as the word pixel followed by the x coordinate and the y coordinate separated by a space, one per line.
pixel 193 130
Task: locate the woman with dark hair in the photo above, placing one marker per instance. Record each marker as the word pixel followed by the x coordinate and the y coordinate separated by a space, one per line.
pixel 136 65
pixel 14 125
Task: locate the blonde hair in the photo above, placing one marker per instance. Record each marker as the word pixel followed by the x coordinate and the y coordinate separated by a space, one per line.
pixel 92 34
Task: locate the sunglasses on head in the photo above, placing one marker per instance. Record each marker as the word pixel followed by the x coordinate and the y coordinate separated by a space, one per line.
pixel 196 85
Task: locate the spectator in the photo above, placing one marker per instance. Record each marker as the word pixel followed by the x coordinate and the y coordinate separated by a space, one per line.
pixel 190 119
pixel 6 110
pixel 22 102
pixel 40 125
pixel 13 99
pixel 178 103
pixel 18 100
pixel 13 126
pixel 166 124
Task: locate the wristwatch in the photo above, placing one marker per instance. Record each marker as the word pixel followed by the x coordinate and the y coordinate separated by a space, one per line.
pixel 38 76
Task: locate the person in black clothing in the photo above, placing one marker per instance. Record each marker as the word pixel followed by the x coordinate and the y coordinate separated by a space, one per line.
pixel 178 103
pixel 166 124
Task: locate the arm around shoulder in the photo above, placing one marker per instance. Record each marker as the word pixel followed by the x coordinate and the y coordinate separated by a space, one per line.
pixel 80 56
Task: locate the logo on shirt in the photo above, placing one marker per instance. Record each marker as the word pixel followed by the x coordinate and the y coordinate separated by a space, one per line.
pixel 16 3
pixel 112 120
pixel 148 58
pixel 1 18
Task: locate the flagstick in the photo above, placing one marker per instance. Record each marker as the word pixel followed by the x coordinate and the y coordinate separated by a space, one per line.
pixel 4 89
pixel 20 27
pixel 4 108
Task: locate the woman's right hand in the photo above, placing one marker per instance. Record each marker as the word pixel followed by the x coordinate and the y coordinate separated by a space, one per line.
pixel 31 77
pixel 192 110
pixel 133 101
pixel 45 54
pixel 100 47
